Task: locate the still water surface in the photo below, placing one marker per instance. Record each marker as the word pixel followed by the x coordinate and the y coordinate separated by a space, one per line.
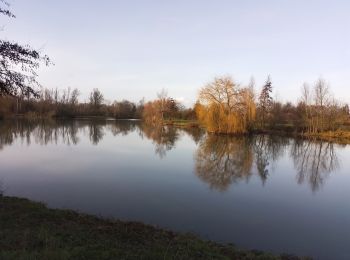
pixel 262 192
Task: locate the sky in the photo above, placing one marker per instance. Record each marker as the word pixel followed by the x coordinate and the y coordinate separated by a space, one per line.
pixel 132 49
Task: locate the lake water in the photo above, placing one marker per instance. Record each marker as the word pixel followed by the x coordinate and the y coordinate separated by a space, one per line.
pixel 262 192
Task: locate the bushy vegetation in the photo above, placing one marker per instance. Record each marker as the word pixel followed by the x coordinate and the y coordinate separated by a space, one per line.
pixel 164 109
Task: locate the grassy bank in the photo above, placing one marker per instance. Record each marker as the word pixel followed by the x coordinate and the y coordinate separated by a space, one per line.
pixel 341 137
pixel 182 123
pixel 30 230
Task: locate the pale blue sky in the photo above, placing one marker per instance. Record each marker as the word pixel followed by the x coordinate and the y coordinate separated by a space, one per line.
pixel 134 48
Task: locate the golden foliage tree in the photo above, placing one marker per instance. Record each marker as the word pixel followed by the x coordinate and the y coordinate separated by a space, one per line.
pixel 156 111
pixel 152 113
pixel 225 107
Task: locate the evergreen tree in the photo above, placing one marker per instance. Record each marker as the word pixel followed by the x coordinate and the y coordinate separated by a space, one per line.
pixel 265 102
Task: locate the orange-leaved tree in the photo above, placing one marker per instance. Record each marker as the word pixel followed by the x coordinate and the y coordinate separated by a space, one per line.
pixel 226 107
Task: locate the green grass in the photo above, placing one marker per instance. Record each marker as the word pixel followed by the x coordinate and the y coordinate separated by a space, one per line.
pixel 29 230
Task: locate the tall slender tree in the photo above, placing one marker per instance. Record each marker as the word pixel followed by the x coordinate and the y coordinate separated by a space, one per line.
pixel 265 102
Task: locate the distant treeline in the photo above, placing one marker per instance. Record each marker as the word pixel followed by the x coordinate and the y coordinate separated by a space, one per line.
pixel 223 106
pixel 64 103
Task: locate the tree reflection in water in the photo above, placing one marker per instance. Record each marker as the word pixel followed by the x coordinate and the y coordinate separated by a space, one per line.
pixel 314 161
pixel 196 133
pixel 42 132
pixel 123 127
pixel 220 160
pixel 267 149
pixel 96 132
pixel 163 137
